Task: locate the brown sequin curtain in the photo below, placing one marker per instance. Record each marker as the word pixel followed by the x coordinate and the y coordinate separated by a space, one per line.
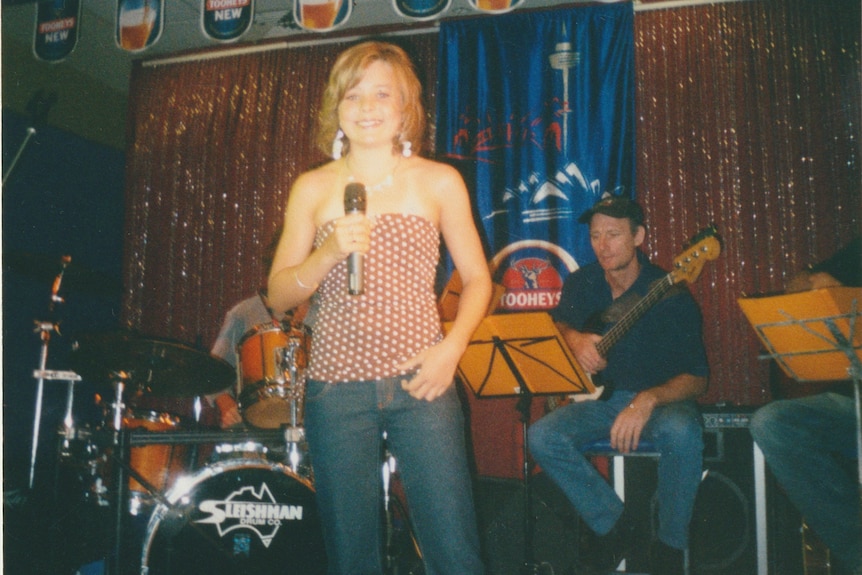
pixel 748 118
pixel 215 146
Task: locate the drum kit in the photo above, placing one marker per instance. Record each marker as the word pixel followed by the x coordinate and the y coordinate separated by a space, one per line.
pixel 183 498
pixel 213 501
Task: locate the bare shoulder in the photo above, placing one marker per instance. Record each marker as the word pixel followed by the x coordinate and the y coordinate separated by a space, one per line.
pixel 312 191
pixel 316 179
pixel 436 177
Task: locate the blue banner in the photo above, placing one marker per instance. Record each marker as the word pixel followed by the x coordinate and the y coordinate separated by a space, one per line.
pixel 538 110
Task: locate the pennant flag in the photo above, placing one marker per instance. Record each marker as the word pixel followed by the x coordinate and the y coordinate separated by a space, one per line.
pixel 537 110
pixel 321 15
pixel 139 23
pixel 57 24
pixel 226 20
pixel 495 6
pixel 421 9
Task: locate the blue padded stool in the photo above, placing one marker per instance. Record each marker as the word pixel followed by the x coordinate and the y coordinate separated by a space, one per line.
pixel 602 448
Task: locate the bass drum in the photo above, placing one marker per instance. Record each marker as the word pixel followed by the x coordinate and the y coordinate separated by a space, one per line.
pixel 236 517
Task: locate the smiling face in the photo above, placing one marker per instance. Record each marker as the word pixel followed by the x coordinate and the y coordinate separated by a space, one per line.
pixel 370 113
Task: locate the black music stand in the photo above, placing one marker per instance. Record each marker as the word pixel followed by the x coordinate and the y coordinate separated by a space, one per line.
pixel 522 355
pixel 814 336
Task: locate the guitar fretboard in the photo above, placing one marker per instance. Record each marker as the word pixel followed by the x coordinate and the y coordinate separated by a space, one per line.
pixel 620 328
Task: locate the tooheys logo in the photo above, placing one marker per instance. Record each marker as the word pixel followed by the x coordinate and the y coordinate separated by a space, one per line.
pixel 56 29
pixel 532 271
pixel 246 508
pixel 227 19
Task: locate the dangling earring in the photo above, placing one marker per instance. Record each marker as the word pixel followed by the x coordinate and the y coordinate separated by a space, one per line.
pixel 406 150
pixel 338 145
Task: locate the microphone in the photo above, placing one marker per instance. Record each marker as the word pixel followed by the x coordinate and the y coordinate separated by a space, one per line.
pixel 354 203
pixel 55 287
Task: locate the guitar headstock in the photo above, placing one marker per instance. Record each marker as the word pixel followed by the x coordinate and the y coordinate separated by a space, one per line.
pixel 703 247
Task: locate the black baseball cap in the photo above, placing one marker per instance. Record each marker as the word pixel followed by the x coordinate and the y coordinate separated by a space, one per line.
pixel 615 207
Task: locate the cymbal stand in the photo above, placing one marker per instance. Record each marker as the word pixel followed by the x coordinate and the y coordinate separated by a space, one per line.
pixel 119 379
pixel 44 329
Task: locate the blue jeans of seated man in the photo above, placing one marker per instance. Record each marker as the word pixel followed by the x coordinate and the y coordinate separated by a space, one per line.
pixel 676 430
pixel 808 443
pixel 344 425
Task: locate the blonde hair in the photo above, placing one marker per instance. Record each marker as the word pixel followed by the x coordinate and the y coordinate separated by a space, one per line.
pixel 347 72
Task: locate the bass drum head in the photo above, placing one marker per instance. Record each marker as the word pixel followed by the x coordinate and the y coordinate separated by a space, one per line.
pixel 236 517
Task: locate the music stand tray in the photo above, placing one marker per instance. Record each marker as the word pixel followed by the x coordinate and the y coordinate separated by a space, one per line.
pixel 521 354
pixel 809 333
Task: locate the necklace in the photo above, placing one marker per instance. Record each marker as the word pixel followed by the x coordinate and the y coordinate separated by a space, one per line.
pixel 379 186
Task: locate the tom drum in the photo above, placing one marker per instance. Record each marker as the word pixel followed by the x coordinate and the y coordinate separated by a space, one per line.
pixel 271 386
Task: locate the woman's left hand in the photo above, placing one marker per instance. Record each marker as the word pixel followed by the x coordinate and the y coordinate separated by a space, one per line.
pixel 434 371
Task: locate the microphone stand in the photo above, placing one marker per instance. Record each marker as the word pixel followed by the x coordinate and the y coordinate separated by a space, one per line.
pixel 44 329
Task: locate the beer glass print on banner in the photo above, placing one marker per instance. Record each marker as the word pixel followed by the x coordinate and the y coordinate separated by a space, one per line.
pixel 320 15
pixel 495 5
pixel 137 20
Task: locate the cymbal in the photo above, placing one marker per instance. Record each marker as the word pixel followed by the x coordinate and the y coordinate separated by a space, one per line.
pixel 76 278
pixel 158 367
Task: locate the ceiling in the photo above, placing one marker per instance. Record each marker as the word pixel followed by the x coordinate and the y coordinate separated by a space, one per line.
pixel 87 92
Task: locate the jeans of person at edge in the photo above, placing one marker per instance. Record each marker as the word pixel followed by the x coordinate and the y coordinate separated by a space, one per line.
pixel 809 444
pixel 675 429
pixel 345 423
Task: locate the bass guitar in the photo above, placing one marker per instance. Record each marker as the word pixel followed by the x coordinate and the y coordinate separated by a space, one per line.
pixel 703 247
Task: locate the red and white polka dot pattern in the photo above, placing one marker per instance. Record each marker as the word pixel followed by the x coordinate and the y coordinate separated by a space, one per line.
pixel 366 337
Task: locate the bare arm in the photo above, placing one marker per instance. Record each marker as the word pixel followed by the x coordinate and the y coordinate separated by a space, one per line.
pixel 437 364
pixel 626 430
pixel 583 346
pixel 298 268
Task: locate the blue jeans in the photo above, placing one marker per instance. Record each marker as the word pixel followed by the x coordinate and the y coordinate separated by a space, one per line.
pixel 809 443
pixel 344 426
pixel 676 430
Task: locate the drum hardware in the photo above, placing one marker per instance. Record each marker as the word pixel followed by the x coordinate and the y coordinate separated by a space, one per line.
pixel 388 470
pixel 151 366
pixel 62 273
pixel 67 430
pixel 244 450
pixel 394 509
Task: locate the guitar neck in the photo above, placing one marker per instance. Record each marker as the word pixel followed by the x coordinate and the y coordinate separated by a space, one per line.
pixel 622 327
